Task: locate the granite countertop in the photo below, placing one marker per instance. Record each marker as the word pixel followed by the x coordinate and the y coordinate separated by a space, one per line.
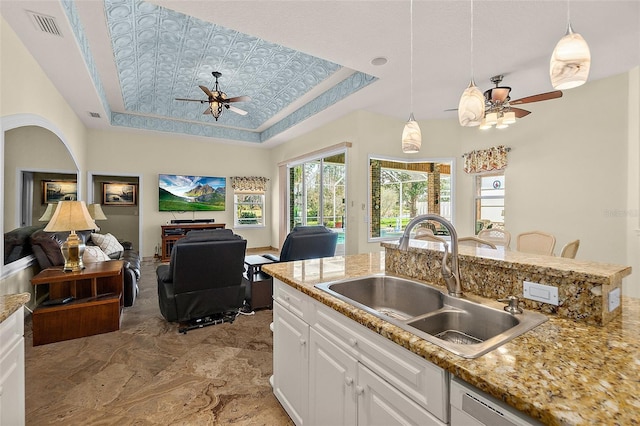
pixel 11 302
pixel 562 372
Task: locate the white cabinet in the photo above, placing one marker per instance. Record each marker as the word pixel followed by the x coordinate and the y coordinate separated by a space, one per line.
pixel 290 363
pixel 332 384
pixel 353 375
pixel 12 410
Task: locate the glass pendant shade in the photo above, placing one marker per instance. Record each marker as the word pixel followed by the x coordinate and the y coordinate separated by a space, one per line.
pixel 501 124
pixel 411 136
pixel 491 118
pixel 484 125
pixel 509 117
pixel 471 106
pixel 570 61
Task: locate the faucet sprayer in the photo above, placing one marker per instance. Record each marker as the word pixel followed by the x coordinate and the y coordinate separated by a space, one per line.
pixel 451 274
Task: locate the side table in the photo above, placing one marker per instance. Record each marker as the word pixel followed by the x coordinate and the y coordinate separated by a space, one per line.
pixel 260 283
pixel 96 306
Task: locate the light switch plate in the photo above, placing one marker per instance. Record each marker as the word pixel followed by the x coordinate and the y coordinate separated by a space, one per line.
pixel 614 299
pixel 540 292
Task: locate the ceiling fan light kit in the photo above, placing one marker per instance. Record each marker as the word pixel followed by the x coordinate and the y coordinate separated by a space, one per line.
pixel 570 61
pixel 218 100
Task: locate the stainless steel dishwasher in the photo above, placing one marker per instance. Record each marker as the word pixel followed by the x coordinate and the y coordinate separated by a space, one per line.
pixel 472 407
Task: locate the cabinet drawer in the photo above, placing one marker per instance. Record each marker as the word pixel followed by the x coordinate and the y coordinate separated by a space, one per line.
pixel 295 301
pixel 425 383
pixel 12 329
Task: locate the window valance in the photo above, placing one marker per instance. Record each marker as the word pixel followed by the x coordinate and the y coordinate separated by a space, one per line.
pixel 249 184
pixel 486 160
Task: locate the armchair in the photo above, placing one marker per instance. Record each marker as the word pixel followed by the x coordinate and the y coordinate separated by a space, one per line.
pixel 204 277
pixel 307 242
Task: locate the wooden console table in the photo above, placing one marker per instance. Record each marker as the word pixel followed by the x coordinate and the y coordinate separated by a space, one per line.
pixel 96 308
pixel 172 233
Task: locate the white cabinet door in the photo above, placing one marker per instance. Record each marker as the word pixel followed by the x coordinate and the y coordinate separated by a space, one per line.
pixel 12 410
pixel 291 363
pixel 332 382
pixel 379 403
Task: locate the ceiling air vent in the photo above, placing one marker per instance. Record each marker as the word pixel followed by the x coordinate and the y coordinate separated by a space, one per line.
pixel 44 23
pixel 94 114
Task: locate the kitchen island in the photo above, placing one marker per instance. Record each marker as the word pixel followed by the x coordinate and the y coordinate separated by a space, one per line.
pixel 562 372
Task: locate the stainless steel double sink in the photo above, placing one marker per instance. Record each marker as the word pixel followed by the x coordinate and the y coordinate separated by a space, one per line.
pixel 466 328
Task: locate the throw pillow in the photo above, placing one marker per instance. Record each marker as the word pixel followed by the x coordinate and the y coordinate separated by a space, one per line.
pixel 108 243
pixel 93 254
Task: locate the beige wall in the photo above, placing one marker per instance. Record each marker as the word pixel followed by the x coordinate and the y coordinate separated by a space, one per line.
pixel 121 151
pixel 30 148
pixel 26 89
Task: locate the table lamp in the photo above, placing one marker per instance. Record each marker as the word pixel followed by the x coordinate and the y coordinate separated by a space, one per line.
pixel 96 213
pixel 48 213
pixel 71 216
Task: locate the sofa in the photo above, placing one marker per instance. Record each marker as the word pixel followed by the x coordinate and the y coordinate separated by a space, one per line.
pixel 17 243
pixel 46 249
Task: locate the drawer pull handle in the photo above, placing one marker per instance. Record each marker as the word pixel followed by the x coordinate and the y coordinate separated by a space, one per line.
pixel 353 341
pixel 303 342
pixel 348 380
pixel 359 390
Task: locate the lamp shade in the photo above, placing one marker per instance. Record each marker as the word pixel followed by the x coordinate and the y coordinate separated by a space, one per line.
pixel 471 106
pixel 48 213
pixel 570 61
pixel 411 137
pixel 70 216
pixel 509 117
pixel 95 211
pixel 491 118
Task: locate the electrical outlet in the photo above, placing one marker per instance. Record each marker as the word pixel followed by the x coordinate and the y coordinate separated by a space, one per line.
pixel 540 292
pixel 614 299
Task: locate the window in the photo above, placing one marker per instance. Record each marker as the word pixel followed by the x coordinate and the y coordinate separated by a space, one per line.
pixel 248 210
pixel 248 201
pixel 490 192
pixel 399 190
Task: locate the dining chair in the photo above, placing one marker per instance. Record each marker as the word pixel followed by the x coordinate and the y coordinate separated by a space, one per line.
pixel 498 237
pixel 427 234
pixel 570 249
pixel 536 242
pixel 476 242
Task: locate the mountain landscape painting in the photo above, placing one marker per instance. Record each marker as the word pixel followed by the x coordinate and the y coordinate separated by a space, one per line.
pixel 191 193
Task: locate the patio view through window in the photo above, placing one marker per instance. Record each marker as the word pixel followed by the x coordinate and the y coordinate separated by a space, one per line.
pixel 317 194
pixel 399 190
pixel 490 192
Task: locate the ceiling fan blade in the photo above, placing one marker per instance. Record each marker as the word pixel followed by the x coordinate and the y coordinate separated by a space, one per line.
pixel 236 110
pixel 191 100
pixel 537 98
pixel 520 112
pixel 207 91
pixel 238 99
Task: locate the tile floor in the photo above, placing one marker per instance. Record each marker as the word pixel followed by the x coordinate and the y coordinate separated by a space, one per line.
pixel 149 374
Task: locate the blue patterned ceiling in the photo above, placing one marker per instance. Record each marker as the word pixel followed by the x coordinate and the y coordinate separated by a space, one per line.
pixel 161 55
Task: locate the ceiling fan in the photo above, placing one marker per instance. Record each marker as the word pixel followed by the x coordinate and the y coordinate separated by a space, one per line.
pixel 217 99
pixel 499 105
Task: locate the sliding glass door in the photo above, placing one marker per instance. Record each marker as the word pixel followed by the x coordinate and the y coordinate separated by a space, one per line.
pixel 317 194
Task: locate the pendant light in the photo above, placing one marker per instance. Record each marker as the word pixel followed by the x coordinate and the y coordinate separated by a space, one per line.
pixel 411 135
pixel 570 60
pixel 471 106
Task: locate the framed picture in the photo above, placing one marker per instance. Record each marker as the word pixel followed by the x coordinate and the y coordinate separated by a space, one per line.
pixel 59 190
pixel 119 194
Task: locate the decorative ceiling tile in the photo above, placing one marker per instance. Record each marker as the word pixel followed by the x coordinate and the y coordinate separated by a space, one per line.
pixel 161 55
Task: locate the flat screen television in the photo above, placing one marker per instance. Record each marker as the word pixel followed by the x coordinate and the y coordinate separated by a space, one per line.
pixel 191 193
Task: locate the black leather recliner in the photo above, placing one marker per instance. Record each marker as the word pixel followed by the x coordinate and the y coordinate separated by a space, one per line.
pixel 204 277
pixel 307 242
